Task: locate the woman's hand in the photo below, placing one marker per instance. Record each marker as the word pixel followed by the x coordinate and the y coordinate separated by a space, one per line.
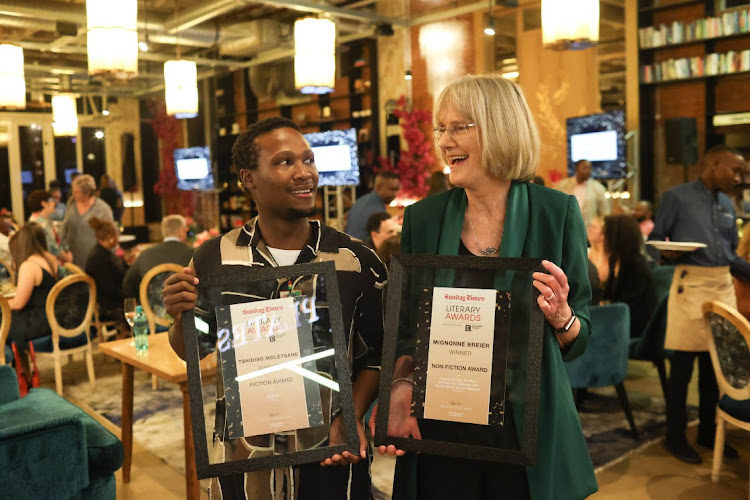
pixel 337 436
pixel 400 421
pixel 553 298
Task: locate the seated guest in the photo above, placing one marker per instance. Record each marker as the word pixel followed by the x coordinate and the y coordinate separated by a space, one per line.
pixel 629 279
pixel 36 274
pixel 106 270
pixel 5 234
pixel 42 205
pixel 380 226
pixel 390 247
pixel 597 253
pixel 387 186
pixel 172 250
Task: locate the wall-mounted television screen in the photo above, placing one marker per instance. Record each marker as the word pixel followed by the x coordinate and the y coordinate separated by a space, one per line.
pixel 336 157
pixel 600 139
pixel 193 168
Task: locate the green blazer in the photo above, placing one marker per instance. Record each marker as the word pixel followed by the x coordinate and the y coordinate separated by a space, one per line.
pixel 539 223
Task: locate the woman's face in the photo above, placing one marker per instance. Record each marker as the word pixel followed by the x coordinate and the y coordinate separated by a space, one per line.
pixel 79 195
pixel 461 151
pixel 595 231
pixel 48 207
pixel 110 241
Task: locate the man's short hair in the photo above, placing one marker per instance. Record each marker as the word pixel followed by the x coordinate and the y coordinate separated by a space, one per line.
pixel 723 148
pixel 35 199
pixel 375 220
pixel 54 184
pixel 387 175
pixel 578 163
pixel 171 225
pixel 245 151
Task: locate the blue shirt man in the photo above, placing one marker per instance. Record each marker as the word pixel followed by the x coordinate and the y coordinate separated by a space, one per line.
pixel 698 211
pixel 384 192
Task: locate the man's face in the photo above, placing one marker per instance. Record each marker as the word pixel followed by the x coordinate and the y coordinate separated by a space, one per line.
pixel 727 171
pixel 583 171
pixel 387 229
pixel 285 182
pixel 56 194
pixel 388 189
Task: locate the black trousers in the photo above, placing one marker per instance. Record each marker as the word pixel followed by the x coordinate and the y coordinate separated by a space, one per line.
pixel 681 370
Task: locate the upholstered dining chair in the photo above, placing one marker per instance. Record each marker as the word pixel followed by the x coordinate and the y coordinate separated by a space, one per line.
pixel 70 308
pixel 605 361
pixel 151 286
pixel 730 355
pixel 5 353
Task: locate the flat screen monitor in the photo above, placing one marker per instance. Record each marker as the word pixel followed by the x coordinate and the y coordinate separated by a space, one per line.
pixel 600 139
pixel 68 175
pixel 193 168
pixel 336 157
pixel 27 177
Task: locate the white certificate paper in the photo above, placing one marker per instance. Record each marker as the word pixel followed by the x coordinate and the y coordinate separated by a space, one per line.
pixel 459 364
pixel 265 335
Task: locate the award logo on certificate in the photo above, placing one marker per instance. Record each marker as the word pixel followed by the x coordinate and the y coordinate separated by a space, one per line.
pixel 268 366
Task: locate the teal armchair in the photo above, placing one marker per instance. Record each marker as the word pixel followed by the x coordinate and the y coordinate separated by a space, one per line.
pixel 50 448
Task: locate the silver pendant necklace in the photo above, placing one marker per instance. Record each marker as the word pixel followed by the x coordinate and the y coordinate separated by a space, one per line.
pixel 484 251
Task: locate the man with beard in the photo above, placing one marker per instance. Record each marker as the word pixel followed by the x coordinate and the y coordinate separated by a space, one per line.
pixel 698 211
pixel 643 213
pixel 277 167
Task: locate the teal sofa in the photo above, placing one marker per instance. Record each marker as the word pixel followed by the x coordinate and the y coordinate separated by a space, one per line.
pixel 50 448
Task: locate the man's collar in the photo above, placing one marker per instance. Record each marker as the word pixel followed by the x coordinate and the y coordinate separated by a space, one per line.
pixel 171 238
pixel 321 237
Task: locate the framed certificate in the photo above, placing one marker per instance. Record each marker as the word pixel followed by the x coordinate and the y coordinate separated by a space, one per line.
pixel 283 393
pixel 470 330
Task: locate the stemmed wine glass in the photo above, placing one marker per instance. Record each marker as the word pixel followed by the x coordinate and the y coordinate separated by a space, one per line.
pixel 129 309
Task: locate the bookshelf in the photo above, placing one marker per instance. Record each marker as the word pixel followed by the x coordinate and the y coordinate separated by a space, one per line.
pixel 694 61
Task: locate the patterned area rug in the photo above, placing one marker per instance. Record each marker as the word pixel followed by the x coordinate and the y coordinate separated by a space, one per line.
pixel 158 416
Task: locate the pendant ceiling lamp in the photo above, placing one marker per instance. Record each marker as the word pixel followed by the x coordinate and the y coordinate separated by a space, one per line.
pixel 12 81
pixel 181 88
pixel 64 115
pixel 112 38
pixel 314 55
pixel 570 24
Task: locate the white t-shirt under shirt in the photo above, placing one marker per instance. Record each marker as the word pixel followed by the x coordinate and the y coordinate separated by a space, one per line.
pixel 580 193
pixel 284 257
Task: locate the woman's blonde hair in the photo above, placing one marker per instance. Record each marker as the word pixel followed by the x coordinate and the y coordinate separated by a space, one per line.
pixel 86 184
pixel 508 135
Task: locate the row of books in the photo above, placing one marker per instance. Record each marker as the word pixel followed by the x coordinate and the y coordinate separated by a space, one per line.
pixel 729 23
pixel 692 67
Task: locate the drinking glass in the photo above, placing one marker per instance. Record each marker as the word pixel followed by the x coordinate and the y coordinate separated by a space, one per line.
pixel 129 309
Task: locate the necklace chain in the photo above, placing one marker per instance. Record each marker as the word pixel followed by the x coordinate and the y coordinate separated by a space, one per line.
pixel 490 250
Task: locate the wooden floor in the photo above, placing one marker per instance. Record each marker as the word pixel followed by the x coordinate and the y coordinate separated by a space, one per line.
pixel 649 473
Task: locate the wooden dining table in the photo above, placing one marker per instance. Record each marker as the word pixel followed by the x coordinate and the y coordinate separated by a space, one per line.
pixel 159 360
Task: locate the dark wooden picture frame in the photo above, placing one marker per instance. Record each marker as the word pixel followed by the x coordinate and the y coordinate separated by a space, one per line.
pixel 205 469
pixel 527 453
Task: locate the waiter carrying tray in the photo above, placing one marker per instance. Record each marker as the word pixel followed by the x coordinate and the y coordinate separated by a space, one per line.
pixel 700 212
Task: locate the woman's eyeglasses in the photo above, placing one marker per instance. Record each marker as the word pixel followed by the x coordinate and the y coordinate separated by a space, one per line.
pixel 455 131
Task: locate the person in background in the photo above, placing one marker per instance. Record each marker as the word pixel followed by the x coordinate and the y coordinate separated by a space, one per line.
pixel 629 278
pixel 597 252
pixel 71 199
pixel 698 211
pixel 107 270
pixel 438 183
pixel 741 286
pixel 643 213
pixel 172 250
pixel 380 226
pixel 538 179
pixel 485 131
pixel 42 205
pixel 112 196
pixel 390 247
pixel 56 192
pixel 589 192
pixel 77 235
pixel 5 234
pixel 387 186
pixel 36 274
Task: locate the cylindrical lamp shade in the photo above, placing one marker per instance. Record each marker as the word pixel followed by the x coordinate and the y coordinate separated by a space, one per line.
pixel 570 24
pixel 181 92
pixel 314 55
pixel 64 115
pixel 112 37
pixel 12 81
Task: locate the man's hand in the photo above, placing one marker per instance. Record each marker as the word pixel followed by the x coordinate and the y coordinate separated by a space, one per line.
pixel 400 421
pixel 179 293
pixel 337 436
